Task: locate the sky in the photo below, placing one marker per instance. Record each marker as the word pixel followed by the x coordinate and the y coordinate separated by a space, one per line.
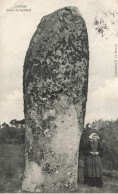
pixel 16 31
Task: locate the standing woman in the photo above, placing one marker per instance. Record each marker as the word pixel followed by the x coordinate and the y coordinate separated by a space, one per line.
pixel 92 162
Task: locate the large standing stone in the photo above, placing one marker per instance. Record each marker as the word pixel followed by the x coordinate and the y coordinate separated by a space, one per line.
pixel 55 94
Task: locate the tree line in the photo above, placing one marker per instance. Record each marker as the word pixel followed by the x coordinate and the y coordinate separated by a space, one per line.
pixel 14 133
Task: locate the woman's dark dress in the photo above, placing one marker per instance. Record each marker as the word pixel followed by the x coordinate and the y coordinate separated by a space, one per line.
pixel 92 164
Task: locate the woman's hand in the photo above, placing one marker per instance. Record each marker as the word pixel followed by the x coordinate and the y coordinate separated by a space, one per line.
pixel 96 153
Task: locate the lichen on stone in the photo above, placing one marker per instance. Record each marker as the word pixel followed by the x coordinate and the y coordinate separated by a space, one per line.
pixel 55 93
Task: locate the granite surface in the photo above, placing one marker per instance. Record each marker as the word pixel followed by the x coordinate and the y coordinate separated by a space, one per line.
pixel 55 86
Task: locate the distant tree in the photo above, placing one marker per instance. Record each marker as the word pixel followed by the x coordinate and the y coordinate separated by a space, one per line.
pixel 13 122
pixel 17 123
pixel 22 121
pixel 4 125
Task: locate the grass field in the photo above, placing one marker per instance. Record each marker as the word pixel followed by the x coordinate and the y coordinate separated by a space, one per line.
pixel 110 181
pixel 12 164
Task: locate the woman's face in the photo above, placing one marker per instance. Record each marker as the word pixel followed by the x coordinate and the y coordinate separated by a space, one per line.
pixel 94 138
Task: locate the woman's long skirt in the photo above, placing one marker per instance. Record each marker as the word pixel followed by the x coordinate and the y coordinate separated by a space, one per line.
pixel 93 170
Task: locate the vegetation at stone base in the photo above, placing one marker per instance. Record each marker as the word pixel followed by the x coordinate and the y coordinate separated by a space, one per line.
pixel 110 183
pixel 12 161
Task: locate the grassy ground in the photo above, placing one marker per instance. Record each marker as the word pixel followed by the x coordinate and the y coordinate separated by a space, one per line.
pixel 11 167
pixel 12 164
pixel 110 181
